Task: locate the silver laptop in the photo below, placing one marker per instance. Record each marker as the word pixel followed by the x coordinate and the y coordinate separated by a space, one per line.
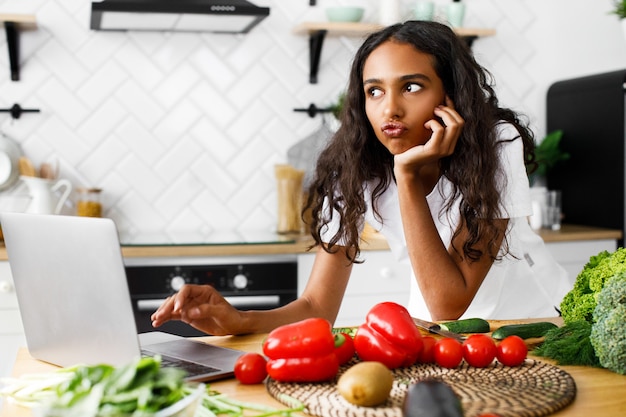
pixel 75 304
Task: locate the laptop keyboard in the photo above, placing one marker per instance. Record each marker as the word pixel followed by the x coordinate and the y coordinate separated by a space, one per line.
pixel 192 368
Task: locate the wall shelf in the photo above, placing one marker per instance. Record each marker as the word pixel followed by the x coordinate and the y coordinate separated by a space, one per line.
pixel 317 32
pixel 13 23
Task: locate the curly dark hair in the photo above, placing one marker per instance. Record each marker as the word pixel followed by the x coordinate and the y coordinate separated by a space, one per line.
pixel 354 155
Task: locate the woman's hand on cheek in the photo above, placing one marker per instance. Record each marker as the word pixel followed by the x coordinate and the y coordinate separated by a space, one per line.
pixel 447 131
pixel 442 141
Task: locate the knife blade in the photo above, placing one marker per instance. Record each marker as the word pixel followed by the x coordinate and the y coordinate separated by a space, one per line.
pixel 435 328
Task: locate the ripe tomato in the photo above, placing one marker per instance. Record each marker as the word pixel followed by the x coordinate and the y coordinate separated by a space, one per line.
pixel 344 347
pixel 428 350
pixel 250 368
pixel 512 351
pixel 448 352
pixel 479 350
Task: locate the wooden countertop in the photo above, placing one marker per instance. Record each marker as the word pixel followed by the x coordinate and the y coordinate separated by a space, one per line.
pixel 599 392
pixel 372 241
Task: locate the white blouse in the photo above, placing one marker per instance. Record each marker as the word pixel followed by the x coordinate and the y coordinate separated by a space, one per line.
pixel 525 283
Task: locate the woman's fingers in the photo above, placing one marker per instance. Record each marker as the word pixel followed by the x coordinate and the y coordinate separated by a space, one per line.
pixel 200 306
pixel 164 312
pixel 188 297
pixel 452 126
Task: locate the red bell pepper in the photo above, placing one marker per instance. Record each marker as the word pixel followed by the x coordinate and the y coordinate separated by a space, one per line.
pixel 389 336
pixel 344 347
pixel 302 352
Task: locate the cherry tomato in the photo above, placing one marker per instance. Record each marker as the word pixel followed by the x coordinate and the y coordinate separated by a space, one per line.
pixel 512 351
pixel 428 350
pixel 250 368
pixel 344 347
pixel 448 352
pixel 479 350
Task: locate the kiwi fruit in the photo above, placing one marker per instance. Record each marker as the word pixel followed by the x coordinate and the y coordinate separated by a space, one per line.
pixel 366 384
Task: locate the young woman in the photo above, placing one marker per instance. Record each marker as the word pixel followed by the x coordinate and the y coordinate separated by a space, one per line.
pixel 427 157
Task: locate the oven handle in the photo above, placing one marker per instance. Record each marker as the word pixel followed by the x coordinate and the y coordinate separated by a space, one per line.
pixel 239 301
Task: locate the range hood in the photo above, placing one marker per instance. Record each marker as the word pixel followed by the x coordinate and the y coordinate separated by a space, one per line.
pixel 218 16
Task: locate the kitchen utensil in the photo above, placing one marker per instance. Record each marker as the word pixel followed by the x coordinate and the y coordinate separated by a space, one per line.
pixel 289 190
pixel 435 328
pixel 46 171
pixel 26 167
pixel 9 160
pixel 43 194
pixel 303 155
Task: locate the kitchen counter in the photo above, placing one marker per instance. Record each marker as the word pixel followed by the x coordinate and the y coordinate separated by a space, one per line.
pixel 300 243
pixel 599 392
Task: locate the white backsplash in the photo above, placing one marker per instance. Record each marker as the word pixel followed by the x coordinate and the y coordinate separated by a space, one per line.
pixel 182 130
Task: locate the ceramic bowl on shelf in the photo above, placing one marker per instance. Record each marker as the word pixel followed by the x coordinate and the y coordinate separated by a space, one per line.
pixel 344 14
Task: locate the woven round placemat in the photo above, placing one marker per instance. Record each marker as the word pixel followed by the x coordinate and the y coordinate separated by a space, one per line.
pixel 533 389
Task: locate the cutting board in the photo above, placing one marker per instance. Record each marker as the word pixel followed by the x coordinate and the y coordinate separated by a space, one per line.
pixel 533 389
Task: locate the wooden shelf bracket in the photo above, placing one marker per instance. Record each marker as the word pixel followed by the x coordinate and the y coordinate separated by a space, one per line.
pixel 13 44
pixel 316 42
pixel 12 25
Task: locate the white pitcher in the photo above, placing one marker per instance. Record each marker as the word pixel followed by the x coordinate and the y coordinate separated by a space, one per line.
pixel 44 199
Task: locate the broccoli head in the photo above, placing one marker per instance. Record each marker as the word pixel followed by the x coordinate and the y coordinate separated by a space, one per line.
pixel 581 301
pixel 608 332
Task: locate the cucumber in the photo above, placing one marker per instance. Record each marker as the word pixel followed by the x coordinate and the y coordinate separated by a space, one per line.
pixel 525 331
pixel 466 326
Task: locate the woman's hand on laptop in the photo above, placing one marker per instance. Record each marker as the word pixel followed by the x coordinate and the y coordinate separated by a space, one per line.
pixel 202 307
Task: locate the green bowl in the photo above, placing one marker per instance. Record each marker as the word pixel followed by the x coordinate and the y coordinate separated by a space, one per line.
pixel 344 14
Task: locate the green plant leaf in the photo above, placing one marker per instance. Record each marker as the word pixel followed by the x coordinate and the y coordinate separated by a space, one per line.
pixel 548 152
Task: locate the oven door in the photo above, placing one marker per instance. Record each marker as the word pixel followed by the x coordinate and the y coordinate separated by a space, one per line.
pixel 249 282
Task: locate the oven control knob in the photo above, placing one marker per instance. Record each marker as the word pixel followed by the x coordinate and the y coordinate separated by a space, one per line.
pixel 240 281
pixel 177 282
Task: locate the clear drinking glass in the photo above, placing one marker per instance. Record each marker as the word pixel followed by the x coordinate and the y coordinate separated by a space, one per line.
pixel 552 210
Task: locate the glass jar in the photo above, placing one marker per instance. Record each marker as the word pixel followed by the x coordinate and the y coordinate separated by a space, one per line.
pixel 88 203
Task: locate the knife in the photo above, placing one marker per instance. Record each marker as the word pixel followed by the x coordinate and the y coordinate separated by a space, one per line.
pixel 435 328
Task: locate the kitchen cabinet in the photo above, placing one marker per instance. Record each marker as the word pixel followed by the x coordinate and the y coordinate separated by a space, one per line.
pixel 379 278
pixel 573 256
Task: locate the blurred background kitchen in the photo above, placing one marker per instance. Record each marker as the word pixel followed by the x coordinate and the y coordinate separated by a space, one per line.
pixel 182 130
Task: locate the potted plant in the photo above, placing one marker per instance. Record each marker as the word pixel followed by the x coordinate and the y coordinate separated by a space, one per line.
pixel 619 9
pixel 547 154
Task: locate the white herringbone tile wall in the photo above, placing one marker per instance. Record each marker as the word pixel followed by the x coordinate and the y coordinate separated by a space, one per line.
pixel 182 130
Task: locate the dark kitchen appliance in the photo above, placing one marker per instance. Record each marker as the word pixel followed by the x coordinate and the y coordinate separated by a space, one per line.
pixel 590 110
pixel 247 282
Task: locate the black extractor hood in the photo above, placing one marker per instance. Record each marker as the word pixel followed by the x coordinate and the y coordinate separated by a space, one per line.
pixel 218 16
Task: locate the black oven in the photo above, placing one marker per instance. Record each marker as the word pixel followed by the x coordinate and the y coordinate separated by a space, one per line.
pixel 247 282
